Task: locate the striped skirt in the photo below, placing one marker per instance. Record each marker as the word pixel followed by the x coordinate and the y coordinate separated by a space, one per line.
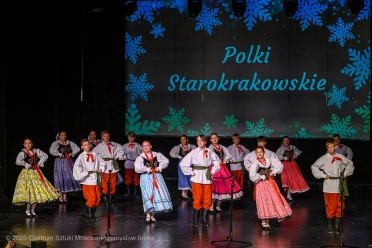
pixel 155 198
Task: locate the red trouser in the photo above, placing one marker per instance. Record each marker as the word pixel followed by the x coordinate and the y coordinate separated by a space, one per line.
pixel 333 204
pixel 92 195
pixel 105 177
pixel 239 177
pixel 131 177
pixel 202 194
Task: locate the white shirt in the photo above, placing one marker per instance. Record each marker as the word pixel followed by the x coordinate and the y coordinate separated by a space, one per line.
pixel 131 152
pixel 83 165
pixel 20 160
pixel 251 157
pixel 175 152
pixel 197 157
pixel 324 166
pixel 280 152
pixel 55 145
pixel 117 151
pixel 140 167
pixel 237 156
pixel 276 168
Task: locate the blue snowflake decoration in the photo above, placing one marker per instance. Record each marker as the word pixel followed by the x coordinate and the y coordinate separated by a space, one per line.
pixel 205 130
pixel 341 32
pixel 133 124
pixel 302 134
pixel 339 126
pixel 133 47
pixel 360 68
pixel 157 30
pixel 365 13
pixel 176 119
pixel 257 130
pixel 365 113
pixel 256 9
pixel 207 19
pixel 337 96
pixel 308 11
pixel 230 121
pixel 146 10
pixel 138 87
pixel 181 5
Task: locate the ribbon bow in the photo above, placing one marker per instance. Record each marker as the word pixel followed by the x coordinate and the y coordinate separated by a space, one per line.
pixel 109 148
pixel 205 153
pixel 239 149
pixel 131 145
pixel 90 156
pixel 336 158
pixel 340 146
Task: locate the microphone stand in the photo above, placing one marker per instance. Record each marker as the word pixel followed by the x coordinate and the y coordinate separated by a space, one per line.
pixel 342 192
pixel 229 238
pixel 108 238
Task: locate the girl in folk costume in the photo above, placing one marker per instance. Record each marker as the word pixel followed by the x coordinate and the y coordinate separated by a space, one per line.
pixel 93 141
pixel 221 184
pixel 87 170
pixel 269 201
pixel 64 150
pixel 155 194
pixel 237 159
pixel 292 179
pixel 131 151
pixel 110 152
pixel 197 164
pixel 180 152
pixel 332 167
pixel 32 187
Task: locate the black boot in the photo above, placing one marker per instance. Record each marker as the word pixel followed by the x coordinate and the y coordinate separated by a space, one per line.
pixel 337 225
pixel 93 212
pixel 104 198
pixel 204 217
pixel 112 197
pixel 129 191
pixel 329 225
pixel 90 215
pixel 135 190
pixel 87 213
pixel 196 217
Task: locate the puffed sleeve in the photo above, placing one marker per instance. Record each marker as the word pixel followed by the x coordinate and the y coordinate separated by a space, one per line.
pixel 280 152
pixel 296 151
pixel 163 161
pixel 139 167
pixel 248 160
pixel 42 157
pixel 54 149
pixel 119 154
pixel 253 175
pixel 227 155
pixel 215 161
pixel 277 166
pixel 174 153
pixel 315 169
pixel 186 163
pixel 349 166
pixel 75 148
pixel 79 170
pixel 20 160
pixel 349 153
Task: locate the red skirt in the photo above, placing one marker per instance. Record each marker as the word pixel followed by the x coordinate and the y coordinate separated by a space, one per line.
pixel 292 178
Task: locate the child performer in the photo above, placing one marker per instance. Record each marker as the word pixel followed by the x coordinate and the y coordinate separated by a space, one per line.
pixel 93 141
pixel 87 170
pixel 32 187
pixel 237 152
pixel 269 201
pixel 64 150
pixel 155 194
pixel 292 179
pixel 131 151
pixel 180 152
pixel 251 157
pixel 341 148
pixel 110 152
pixel 221 184
pixel 333 167
pixel 201 177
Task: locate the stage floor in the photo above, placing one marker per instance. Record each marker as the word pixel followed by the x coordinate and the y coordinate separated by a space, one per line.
pixel 64 225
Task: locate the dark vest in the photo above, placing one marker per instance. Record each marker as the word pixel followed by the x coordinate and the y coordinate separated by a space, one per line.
pixel 182 152
pixel 152 165
pixel 64 149
pixel 30 160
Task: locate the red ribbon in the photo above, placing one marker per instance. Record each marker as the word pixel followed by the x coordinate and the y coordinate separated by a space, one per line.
pixel 69 161
pixel 154 185
pixel 109 148
pixel 40 175
pixel 33 156
pixel 205 153
pixel 185 148
pixel 339 145
pixel 288 147
pixel 131 145
pixel 336 158
pixel 90 156
pixel 275 187
pixel 239 149
pixel 218 148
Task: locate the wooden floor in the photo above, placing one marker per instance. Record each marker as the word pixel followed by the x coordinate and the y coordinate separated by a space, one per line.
pixel 64 225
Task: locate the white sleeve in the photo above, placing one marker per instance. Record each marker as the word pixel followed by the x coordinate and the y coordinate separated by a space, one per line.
pixel 20 160
pixel 227 155
pixel 42 157
pixel 75 148
pixel 163 161
pixel 315 169
pixel 279 153
pixel 296 151
pixel 216 162
pixel 54 149
pixel 349 166
pixel 277 166
pixel 174 153
pixel 79 170
pixel 139 167
pixel 186 163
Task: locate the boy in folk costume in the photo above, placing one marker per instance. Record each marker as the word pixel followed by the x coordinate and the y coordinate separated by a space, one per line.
pixel 237 160
pixel 332 167
pixel 131 151
pixel 201 177
pixel 110 152
pixel 341 148
pixel 251 157
pixel 87 170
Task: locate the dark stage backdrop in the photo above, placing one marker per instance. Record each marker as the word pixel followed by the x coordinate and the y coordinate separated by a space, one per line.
pixel 51 51
pixel 262 74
